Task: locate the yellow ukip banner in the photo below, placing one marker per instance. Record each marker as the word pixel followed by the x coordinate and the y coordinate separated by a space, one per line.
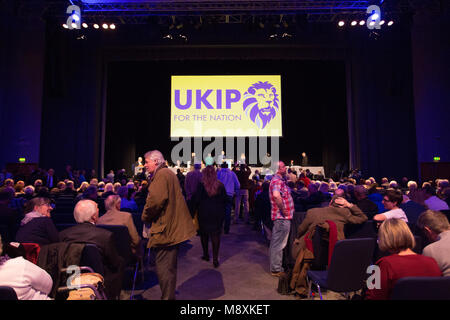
pixel 226 106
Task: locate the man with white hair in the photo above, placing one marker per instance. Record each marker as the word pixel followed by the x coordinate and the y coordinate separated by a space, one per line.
pixel 171 221
pixel 86 216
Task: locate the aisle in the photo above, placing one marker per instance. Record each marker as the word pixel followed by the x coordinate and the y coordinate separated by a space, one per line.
pixel 243 273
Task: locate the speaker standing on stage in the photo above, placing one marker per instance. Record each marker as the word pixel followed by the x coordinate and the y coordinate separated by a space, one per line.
pixel 304 160
pixel 171 221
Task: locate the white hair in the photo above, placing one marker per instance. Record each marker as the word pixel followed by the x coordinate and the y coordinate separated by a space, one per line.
pixel 111 201
pixel 84 210
pixel 412 183
pixel 393 184
pixel 29 189
pixel 109 187
pixel 156 156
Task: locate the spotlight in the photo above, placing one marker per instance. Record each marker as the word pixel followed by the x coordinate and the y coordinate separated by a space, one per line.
pixel 382 22
pixel 96 26
pixel 341 23
pixel 390 23
pixel 112 26
pixel 65 26
pixel 371 23
pixel 375 16
pixel 85 25
pixel 354 23
pixel 105 26
pixel 74 25
pixel 362 22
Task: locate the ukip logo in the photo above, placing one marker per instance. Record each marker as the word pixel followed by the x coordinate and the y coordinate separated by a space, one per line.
pixel 261 103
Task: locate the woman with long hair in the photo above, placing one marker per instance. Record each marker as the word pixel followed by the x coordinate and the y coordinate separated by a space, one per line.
pixel 210 200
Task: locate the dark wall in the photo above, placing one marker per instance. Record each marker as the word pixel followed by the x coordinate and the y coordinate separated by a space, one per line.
pixel 431 71
pixel 22 43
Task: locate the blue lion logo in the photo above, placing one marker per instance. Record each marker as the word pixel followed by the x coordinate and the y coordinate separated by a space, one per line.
pixel 261 103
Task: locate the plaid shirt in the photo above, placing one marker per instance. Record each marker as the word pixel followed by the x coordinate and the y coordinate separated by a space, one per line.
pixel 278 184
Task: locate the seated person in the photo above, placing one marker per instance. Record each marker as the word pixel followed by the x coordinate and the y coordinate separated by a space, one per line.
pixel 432 201
pixel 395 237
pixel 28 280
pixel 437 229
pixel 114 216
pixel 37 225
pixel 86 215
pixel 127 201
pixel 368 207
pixel 340 211
pixel 412 208
pixel 391 201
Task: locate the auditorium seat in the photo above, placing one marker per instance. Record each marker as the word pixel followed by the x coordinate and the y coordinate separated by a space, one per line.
pixel 367 229
pixel 422 288
pixel 347 269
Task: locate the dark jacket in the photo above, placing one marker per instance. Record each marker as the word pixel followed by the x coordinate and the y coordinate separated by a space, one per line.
pixel 412 210
pixel 211 210
pixel 39 230
pixel 368 207
pixel 243 177
pixel 56 256
pixel 104 240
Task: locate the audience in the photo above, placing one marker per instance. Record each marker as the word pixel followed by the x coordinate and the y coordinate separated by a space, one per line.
pixel 395 237
pixel 404 201
pixel 436 227
pixel 29 281
pixel 37 226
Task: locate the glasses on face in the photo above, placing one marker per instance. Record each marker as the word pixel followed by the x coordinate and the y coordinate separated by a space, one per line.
pixel 386 200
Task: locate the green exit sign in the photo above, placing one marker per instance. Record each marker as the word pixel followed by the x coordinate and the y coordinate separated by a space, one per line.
pixel 21 160
pixel 437 158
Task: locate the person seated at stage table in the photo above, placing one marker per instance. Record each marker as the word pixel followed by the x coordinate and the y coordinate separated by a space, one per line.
pixel 114 216
pixel 37 225
pixel 395 237
pixel 368 207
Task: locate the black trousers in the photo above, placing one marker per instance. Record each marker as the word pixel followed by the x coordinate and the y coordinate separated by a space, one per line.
pixel 215 240
pixel 166 270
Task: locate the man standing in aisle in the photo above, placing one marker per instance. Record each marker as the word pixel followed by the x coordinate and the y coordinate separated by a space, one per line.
pixel 232 186
pixel 282 212
pixel 171 221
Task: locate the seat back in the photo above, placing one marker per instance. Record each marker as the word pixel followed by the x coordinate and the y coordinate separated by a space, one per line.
pixel 122 240
pixel 7 293
pixel 422 288
pixel 367 229
pixel 349 262
pixel 91 257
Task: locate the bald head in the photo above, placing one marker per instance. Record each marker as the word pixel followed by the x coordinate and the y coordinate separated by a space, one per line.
pixel 86 211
